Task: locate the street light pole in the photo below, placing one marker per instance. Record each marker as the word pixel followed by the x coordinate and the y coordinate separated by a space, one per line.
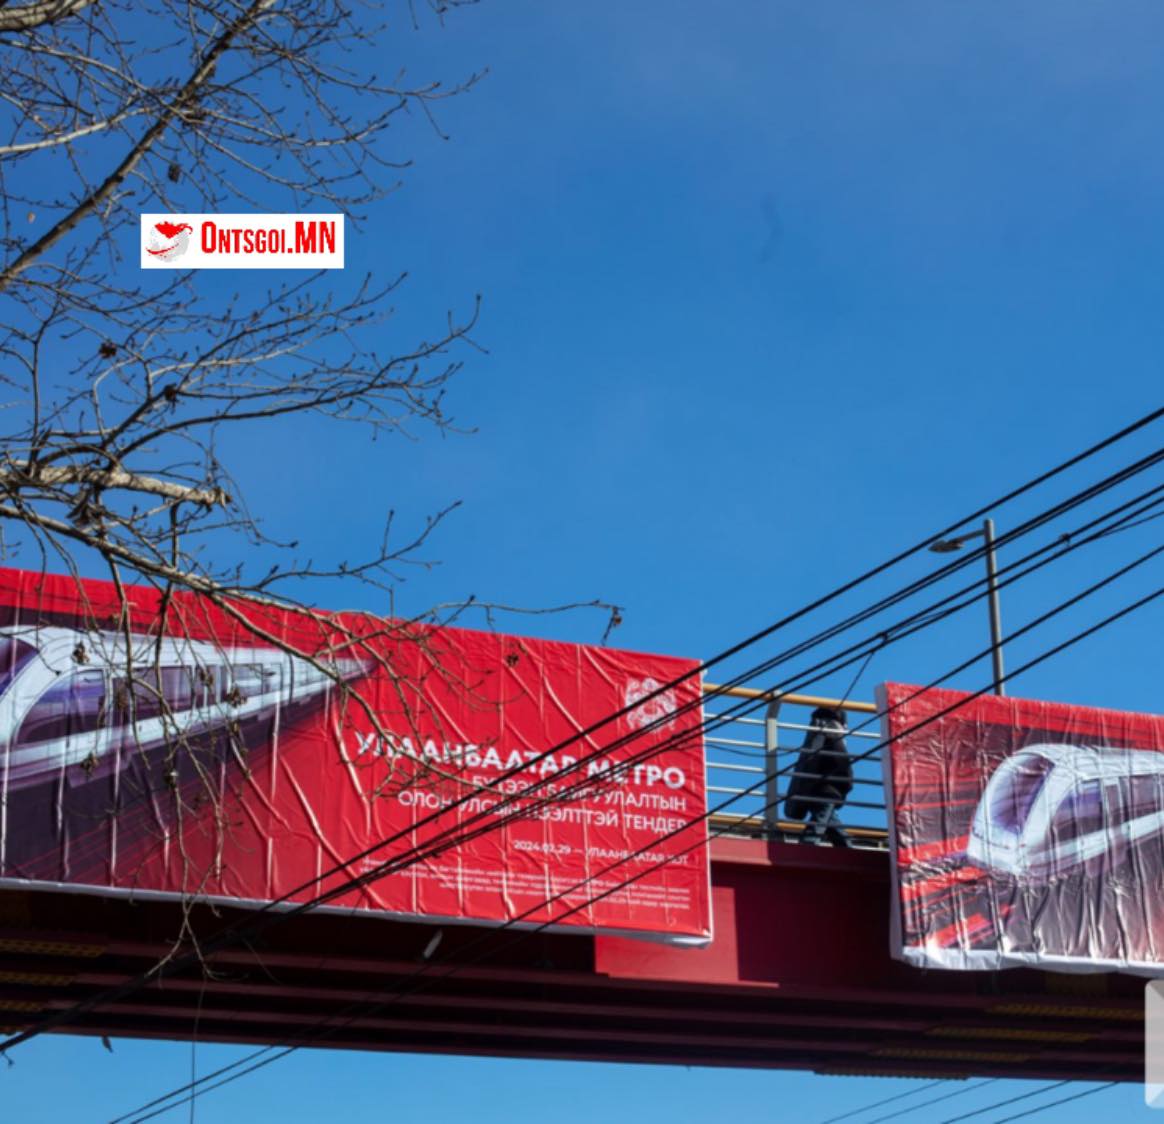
pixel 995 609
pixel 945 546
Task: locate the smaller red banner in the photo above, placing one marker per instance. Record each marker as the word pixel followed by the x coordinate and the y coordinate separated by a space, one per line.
pixel 1024 832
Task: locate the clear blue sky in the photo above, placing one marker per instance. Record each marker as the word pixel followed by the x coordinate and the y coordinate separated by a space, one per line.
pixel 771 290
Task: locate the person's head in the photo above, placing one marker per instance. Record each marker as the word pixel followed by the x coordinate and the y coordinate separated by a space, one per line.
pixel 828 716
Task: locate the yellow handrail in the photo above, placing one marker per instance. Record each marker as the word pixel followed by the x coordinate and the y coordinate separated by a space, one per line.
pixel 792 827
pixel 793 700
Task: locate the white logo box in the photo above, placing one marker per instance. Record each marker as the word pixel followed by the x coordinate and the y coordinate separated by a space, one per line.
pixel 232 241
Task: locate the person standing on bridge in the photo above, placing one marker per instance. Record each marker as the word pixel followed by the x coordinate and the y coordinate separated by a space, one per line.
pixel 822 779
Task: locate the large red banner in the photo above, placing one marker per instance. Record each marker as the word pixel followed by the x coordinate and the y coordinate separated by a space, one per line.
pixel 177 748
pixel 1024 832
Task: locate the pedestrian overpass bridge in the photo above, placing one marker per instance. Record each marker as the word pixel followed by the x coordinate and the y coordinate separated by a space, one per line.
pixel 799 974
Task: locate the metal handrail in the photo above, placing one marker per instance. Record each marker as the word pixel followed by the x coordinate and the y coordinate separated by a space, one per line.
pixel 790 699
pixel 759 814
pixel 756 826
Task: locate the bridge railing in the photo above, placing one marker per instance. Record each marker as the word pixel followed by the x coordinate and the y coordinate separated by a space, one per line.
pixel 763 746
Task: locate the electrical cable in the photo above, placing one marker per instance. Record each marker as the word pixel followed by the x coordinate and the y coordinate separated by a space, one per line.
pixel 933 1100
pixel 1011 1100
pixel 1138 523
pixel 392 865
pixel 1054 1104
pixel 239 929
pixel 880 638
pixel 396 863
pixel 960 702
pixel 855 758
pixel 1091 630
pixel 1025 1095
pixel 942 609
pixel 1096 489
pixel 887 1100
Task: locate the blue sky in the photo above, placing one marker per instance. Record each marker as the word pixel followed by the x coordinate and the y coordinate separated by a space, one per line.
pixel 770 291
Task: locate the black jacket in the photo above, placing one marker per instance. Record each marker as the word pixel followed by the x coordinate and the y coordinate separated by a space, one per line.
pixel 824 760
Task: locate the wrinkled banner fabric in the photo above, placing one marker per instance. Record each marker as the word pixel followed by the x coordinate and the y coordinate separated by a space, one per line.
pixel 1024 833
pixel 220 766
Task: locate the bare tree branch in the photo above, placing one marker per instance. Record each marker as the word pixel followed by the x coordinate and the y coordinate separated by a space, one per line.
pixel 126 390
pixel 178 104
pixel 26 17
pixel 26 475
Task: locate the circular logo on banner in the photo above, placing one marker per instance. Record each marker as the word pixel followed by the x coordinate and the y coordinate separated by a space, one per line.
pixel 662 706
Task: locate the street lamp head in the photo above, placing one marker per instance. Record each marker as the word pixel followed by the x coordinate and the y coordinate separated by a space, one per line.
pixel 948 546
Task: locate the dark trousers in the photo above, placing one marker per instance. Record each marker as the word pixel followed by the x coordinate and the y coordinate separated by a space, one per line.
pixel 822 825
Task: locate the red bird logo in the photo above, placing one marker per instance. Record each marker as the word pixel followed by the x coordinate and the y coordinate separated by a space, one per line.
pixel 172 229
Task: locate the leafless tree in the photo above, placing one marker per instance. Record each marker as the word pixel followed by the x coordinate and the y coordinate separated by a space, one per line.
pixel 121 384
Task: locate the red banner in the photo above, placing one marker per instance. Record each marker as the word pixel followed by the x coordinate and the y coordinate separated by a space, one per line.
pixel 1024 832
pixel 179 749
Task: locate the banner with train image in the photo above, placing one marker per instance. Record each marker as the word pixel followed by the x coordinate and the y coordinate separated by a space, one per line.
pixel 1024 833
pixel 179 746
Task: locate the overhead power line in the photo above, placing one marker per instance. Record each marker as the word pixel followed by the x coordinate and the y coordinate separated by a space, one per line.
pixel 327 1027
pixel 948 606
pixel 932 1101
pixel 687 736
pixel 887 1100
pixel 1055 1104
pixel 254 923
pixel 452 837
pixel 1011 1100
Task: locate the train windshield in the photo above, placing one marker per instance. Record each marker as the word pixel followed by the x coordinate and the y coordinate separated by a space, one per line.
pixel 75 704
pixel 14 657
pixel 1015 796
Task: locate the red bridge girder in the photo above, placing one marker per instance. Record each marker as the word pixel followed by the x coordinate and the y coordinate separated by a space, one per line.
pixel 798 976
